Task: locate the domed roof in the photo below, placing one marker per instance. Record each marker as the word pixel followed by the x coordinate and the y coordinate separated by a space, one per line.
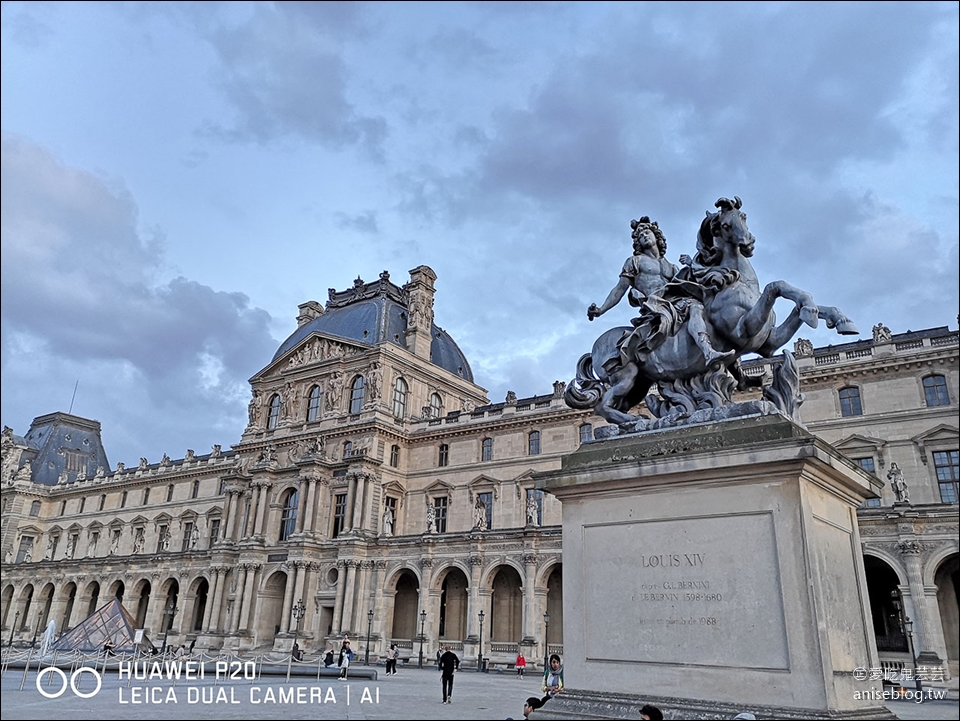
pixel 374 313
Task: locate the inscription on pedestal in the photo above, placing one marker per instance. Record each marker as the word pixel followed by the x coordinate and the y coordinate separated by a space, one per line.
pixel 695 591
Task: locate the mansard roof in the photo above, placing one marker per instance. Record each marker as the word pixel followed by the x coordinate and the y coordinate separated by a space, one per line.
pixel 374 313
pixel 65 442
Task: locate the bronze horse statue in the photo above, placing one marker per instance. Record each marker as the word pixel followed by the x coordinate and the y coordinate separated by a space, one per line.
pixel 739 317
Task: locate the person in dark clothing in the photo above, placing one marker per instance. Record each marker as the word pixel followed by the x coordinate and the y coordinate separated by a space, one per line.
pixel 651 713
pixel 532 704
pixel 449 663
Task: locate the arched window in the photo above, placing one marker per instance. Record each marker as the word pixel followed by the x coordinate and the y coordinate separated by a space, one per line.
pixel 935 391
pixel 436 405
pixel 347 448
pixel 288 516
pixel 313 404
pixel 394 456
pixel 35 508
pixel 850 402
pixel 195 490
pixel 486 449
pixel 533 443
pixel 356 395
pixel 400 398
pixel 274 416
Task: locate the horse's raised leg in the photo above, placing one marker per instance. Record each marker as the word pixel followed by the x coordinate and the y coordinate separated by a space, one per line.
pixel 836 318
pixel 782 333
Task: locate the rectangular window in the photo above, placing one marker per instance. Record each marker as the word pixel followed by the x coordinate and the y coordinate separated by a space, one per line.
pixel 440 506
pixel 866 464
pixel 339 513
pixel 850 402
pixel 52 550
pixel 214 530
pixel 390 503
pixel 195 490
pixel 83 502
pixel 395 456
pixel 123 500
pixel 586 433
pixel 487 500
pixel 94 540
pixel 162 533
pixel 169 493
pixel 187 536
pixel 935 391
pixel 533 443
pixel 946 464
pixel 444 455
pixel 75 462
pixel 146 496
pixel 103 500
pixel 486 450
pixel 63 507
pixel 25 552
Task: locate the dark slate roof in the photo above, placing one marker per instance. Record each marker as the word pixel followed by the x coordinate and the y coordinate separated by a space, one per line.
pixel 374 313
pixel 59 437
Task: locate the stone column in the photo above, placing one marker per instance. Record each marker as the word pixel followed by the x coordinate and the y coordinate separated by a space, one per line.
pixel 249 599
pixel 287 606
pixel 923 632
pixel 302 501
pixel 528 626
pixel 263 502
pixel 310 505
pixel 239 602
pixel 233 514
pixel 348 595
pixel 250 510
pixel 214 602
pixel 473 598
pixel 341 586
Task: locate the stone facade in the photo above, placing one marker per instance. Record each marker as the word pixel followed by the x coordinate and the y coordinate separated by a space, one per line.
pixel 375 476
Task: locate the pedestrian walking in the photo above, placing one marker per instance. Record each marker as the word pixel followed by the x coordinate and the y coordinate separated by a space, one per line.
pixel 449 663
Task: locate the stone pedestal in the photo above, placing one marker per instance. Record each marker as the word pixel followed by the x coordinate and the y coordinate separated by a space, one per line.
pixel 714 569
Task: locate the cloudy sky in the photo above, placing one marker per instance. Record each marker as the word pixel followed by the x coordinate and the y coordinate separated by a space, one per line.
pixel 178 177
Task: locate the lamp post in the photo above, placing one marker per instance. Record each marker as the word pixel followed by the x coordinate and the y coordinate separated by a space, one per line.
pixel 13 628
pixel 366 658
pixel 170 611
pixel 298 611
pixel 546 641
pixel 423 620
pixel 480 645
pixel 36 631
pixel 906 625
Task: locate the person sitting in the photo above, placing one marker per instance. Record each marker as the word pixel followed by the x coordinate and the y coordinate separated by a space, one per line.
pixel 553 676
pixel 328 659
pixel 108 647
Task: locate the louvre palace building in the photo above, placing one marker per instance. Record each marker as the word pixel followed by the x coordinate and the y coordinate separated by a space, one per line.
pixel 377 484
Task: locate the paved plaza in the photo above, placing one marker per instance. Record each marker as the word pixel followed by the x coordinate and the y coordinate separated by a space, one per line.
pixel 411 694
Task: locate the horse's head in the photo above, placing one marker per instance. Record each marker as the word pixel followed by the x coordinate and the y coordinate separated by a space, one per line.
pixel 724 231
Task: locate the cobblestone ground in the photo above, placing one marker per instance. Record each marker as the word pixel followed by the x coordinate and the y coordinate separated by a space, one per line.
pixel 413 693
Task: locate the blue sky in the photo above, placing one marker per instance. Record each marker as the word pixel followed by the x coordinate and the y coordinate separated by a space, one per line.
pixel 177 178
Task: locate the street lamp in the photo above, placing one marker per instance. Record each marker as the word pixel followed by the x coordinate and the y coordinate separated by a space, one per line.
pixel 298 610
pixel 170 611
pixel 480 646
pixel 423 620
pixel 907 626
pixel 13 628
pixel 546 641
pixel 36 631
pixel 366 659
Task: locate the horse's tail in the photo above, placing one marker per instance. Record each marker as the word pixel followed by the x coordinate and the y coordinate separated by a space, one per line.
pixel 584 391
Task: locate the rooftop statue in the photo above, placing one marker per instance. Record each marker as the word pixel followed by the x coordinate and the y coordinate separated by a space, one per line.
pixel 694 324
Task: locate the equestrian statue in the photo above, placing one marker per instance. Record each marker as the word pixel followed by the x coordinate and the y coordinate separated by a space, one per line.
pixel 694 324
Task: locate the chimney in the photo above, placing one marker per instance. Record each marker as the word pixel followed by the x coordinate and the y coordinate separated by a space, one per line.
pixel 420 292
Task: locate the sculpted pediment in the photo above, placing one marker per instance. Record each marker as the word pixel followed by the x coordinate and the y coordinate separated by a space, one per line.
pixel 315 348
pixel 857 445
pixel 938 438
